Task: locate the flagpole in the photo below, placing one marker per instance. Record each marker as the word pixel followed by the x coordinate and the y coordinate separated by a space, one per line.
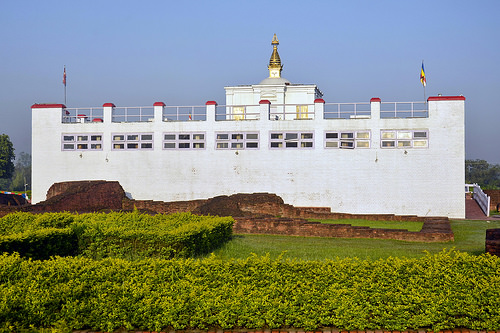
pixel 64 82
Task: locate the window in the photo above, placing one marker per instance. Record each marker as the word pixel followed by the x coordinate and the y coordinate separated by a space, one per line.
pixel 347 139
pixel 233 140
pixel 184 141
pixel 283 140
pixel 132 141
pixel 81 141
pixel 404 139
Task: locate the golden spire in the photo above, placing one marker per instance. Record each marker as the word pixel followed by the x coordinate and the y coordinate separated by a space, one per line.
pixel 275 66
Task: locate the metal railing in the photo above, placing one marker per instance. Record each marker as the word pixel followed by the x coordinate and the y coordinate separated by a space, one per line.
pixel 132 114
pixel 388 110
pixel 185 113
pixel 237 112
pixel 291 112
pixel 404 110
pixel 82 115
pixel 347 110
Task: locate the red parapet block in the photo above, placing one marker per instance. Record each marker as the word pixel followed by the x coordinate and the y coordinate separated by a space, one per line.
pixel 107 105
pixel 446 98
pixel 47 106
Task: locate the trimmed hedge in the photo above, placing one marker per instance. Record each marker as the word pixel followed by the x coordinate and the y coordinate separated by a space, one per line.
pixel 120 235
pixel 438 292
pixel 136 236
pixel 41 244
pixel 38 236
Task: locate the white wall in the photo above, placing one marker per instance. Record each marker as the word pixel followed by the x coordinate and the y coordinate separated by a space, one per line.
pixel 426 182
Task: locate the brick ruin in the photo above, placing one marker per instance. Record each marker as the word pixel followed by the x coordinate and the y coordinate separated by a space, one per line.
pixel 257 213
pixel 493 241
pixel 494 199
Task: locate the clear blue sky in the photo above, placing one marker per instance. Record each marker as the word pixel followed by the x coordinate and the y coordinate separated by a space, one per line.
pixel 135 53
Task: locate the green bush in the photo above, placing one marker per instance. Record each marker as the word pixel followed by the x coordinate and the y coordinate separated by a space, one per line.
pixel 439 292
pixel 41 244
pixel 135 236
pixel 38 236
pixel 121 235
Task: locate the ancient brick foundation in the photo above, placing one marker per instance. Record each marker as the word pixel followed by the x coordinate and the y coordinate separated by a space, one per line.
pixel 260 213
pixel 433 230
pixel 493 241
pixel 12 200
pixel 78 196
pixel 494 199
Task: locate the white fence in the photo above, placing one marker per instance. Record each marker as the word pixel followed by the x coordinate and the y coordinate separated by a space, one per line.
pixel 184 113
pixel 347 110
pixel 404 110
pixel 481 198
pixel 249 112
pixel 82 115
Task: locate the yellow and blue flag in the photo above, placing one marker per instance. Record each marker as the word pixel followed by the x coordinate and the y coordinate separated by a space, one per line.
pixel 422 76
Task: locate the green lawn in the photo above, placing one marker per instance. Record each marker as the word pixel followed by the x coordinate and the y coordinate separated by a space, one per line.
pixel 410 226
pixel 469 237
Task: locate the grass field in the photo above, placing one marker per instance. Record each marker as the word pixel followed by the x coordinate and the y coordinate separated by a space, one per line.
pixel 469 237
pixel 410 226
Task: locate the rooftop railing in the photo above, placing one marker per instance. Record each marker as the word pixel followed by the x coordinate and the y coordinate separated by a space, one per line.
pixel 291 111
pixel 82 115
pixel 185 113
pixel 347 110
pixel 237 112
pixel 388 110
pixel 404 110
pixel 133 114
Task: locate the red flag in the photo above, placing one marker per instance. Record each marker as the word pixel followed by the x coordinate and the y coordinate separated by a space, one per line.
pixel 64 76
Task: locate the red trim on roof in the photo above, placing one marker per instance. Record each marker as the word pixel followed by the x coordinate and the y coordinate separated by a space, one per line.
pixel 375 99
pixel 446 98
pixel 319 100
pixel 264 101
pixel 47 106
pixel 211 103
pixel 107 105
pixel 159 104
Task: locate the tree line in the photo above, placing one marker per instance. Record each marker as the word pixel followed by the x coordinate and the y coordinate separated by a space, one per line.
pixel 482 173
pixel 13 176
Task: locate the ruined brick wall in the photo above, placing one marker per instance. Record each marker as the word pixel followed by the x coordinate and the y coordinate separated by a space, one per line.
pixel 82 196
pixel 161 207
pixel 494 198
pixel 262 213
pixel 433 230
pixel 493 241
pixel 256 204
pixel 12 200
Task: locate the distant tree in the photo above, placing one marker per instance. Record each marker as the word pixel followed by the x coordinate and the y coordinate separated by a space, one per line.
pixel 22 173
pixel 6 157
pixel 481 172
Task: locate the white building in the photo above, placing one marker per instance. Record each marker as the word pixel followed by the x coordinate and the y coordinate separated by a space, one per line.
pixel 376 157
